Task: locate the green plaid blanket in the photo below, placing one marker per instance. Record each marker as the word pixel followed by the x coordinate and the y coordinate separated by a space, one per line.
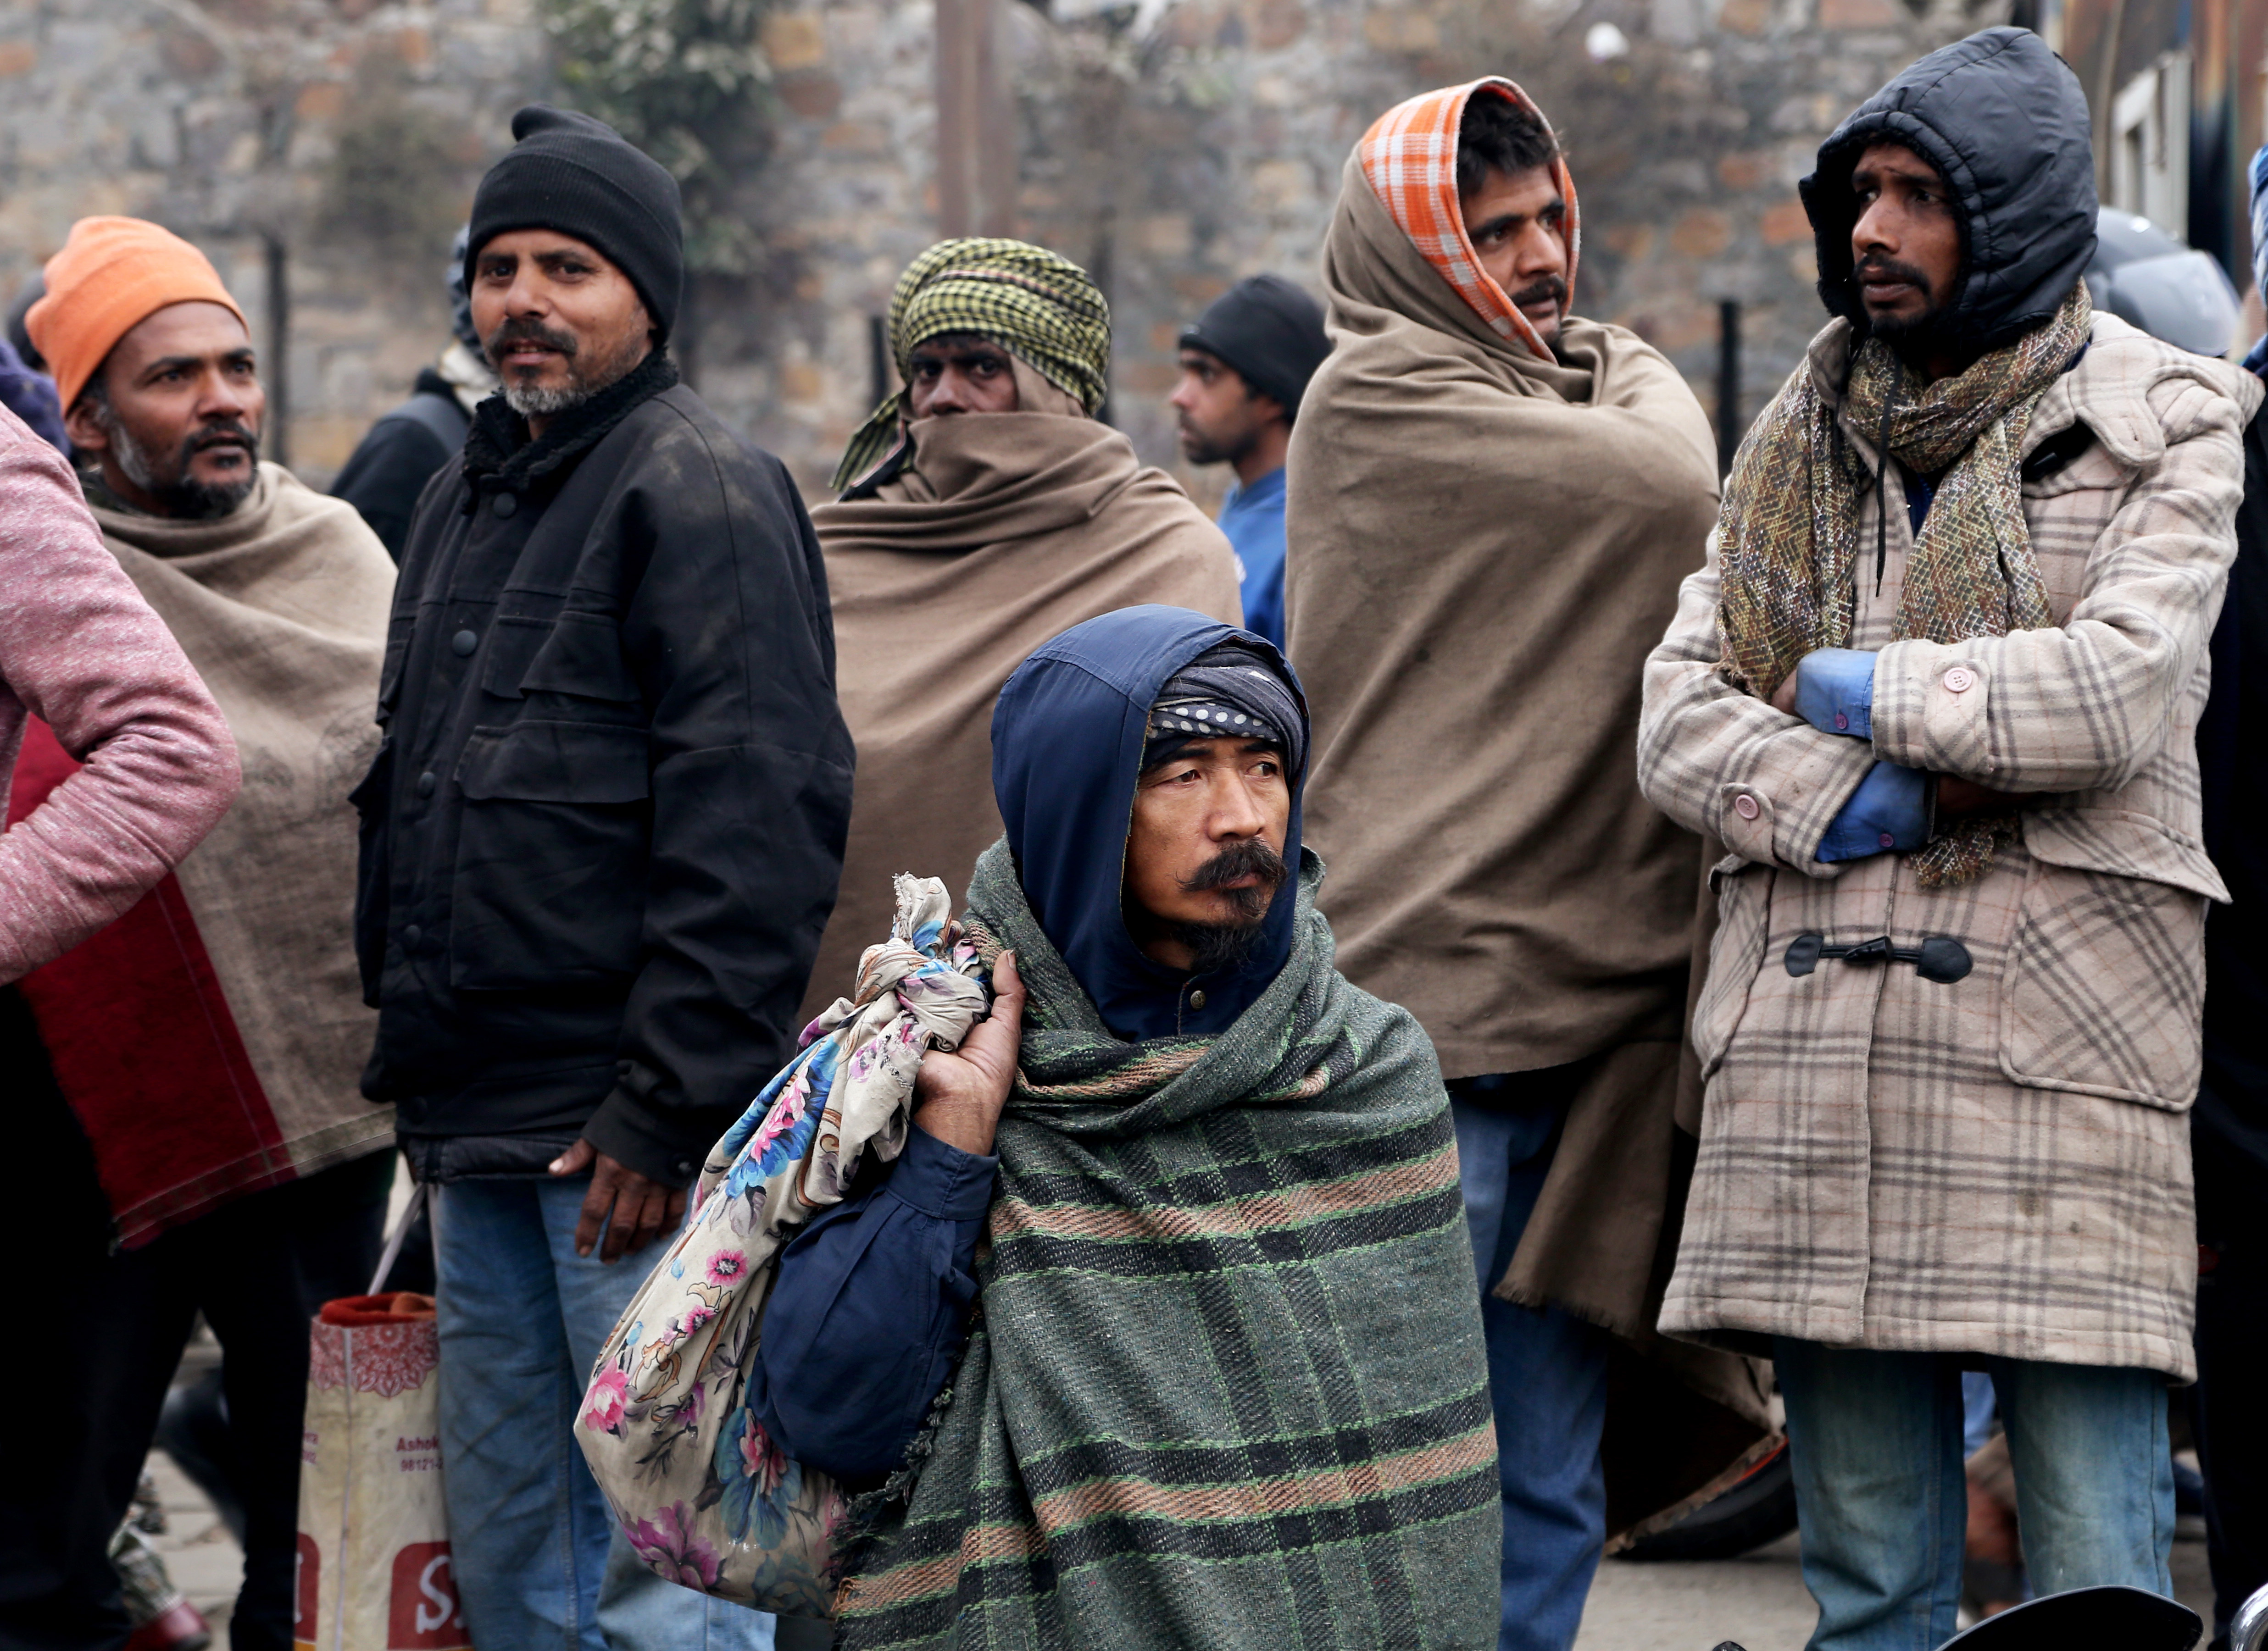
pixel 1227 1388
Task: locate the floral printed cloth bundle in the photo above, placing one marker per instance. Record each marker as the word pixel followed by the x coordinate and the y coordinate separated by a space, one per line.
pixel 703 1495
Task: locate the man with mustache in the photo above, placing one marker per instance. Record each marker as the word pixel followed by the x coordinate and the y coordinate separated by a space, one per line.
pixel 1227 1388
pixel 1493 501
pixel 207 1044
pixel 1937 690
pixel 1245 365
pixel 598 846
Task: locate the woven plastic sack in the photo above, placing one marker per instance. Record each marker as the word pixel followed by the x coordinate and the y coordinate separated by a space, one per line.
pixel 373 1570
pixel 701 1491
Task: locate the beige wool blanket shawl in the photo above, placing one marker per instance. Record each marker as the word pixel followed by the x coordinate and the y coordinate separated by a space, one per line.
pixel 281 605
pixel 1483 547
pixel 1009 529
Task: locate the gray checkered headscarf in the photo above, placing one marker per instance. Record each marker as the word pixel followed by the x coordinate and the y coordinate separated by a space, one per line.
pixel 1039 307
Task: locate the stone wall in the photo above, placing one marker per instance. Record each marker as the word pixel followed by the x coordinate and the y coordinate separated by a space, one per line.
pixel 1172 145
pixel 346 134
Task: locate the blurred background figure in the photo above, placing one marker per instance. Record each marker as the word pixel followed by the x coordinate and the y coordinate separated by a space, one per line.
pixel 25 390
pixel 398 457
pixel 2228 1129
pixel 1245 365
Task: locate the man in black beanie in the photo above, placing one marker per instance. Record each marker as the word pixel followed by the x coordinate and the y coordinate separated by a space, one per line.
pixel 599 843
pixel 1245 365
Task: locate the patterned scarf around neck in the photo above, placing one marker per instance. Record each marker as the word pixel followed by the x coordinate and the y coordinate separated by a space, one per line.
pixel 1789 554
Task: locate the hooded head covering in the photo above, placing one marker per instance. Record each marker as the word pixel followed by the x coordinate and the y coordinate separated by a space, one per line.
pixel 578 176
pixel 1269 331
pixel 1410 156
pixel 1068 738
pixel 2003 119
pixel 461 297
pixel 111 275
pixel 1039 307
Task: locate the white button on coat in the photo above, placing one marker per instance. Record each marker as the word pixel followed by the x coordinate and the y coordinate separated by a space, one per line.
pixel 1960 680
pixel 1745 806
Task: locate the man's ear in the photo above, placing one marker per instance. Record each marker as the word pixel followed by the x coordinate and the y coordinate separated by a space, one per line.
pixel 83 424
pixel 1265 407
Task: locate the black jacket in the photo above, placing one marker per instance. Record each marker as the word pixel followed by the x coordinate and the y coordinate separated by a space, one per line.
pixel 604 832
pixel 389 468
pixel 2229 1126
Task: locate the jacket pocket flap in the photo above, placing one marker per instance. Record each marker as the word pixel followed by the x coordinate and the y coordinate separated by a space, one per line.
pixel 582 657
pixel 512 643
pixel 555 762
pixel 2122 846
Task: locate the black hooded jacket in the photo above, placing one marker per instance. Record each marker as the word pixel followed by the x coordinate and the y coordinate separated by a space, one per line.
pixel 2005 121
pixel 604 831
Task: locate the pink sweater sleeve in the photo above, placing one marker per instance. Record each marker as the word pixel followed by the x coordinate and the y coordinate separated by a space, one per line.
pixel 82 649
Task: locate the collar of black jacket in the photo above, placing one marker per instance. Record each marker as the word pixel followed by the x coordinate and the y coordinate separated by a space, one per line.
pixel 499 450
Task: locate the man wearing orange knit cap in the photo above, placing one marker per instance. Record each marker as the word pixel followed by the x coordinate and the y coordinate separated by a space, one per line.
pixel 1491 502
pixel 208 1046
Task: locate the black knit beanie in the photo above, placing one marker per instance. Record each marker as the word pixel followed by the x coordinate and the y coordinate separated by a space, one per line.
pixel 1270 330
pixel 579 177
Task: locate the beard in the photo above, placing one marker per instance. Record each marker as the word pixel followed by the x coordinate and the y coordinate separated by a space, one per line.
pixel 1201 447
pixel 585 377
pixel 1902 333
pixel 171 486
pixel 1216 946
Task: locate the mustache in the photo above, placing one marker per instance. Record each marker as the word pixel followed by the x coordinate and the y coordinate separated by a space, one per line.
pixel 1251 858
pixel 227 433
pixel 1874 268
pixel 527 330
pixel 1551 287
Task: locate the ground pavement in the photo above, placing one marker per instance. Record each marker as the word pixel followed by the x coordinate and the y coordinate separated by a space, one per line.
pixel 1757 1600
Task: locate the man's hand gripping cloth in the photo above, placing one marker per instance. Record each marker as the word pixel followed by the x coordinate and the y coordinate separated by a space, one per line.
pixel 1227 1388
pixel 703 1495
pixel 1790 554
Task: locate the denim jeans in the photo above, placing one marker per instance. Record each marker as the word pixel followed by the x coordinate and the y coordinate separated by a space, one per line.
pixel 1547 1377
pixel 1875 1445
pixel 538 1564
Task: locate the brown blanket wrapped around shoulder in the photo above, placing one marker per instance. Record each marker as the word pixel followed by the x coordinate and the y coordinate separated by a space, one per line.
pixel 1010 529
pixel 1483 547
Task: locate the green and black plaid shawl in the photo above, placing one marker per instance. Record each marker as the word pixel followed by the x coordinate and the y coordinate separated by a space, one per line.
pixel 1228 1388
pixel 1039 307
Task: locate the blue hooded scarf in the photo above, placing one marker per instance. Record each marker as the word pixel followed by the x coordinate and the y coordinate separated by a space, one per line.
pixel 1067 744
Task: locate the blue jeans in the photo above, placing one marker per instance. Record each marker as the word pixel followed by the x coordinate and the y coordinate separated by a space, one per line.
pixel 1875 1445
pixel 537 1561
pixel 1548 1379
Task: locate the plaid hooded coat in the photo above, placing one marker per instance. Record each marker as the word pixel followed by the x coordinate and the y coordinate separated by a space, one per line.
pixel 1999 1165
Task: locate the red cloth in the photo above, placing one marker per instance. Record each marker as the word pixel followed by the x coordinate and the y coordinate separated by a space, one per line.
pixel 394 1307
pixel 145 1051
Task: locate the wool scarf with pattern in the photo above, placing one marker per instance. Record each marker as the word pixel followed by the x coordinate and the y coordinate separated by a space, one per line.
pixel 1789 552
pixel 1227 1388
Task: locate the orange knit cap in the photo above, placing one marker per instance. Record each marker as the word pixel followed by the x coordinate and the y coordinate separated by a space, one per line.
pixel 112 275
